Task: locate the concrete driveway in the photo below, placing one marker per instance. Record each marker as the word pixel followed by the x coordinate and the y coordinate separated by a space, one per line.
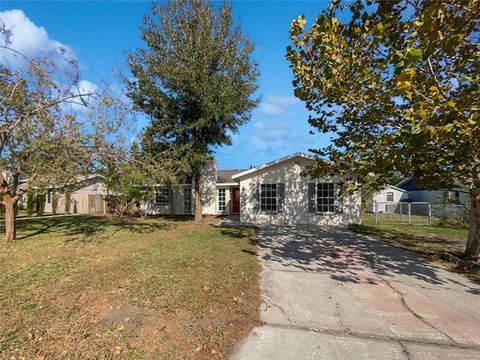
pixel 332 294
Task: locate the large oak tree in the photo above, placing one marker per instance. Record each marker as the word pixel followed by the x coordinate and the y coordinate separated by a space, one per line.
pixel 195 81
pixel 396 84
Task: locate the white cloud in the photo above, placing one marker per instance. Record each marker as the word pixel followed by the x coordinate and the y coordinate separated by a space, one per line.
pixel 281 100
pixel 84 87
pixel 30 40
pixel 267 136
pixel 271 109
pixel 277 104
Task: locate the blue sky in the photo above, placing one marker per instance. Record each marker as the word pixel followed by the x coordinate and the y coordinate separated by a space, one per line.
pixel 98 34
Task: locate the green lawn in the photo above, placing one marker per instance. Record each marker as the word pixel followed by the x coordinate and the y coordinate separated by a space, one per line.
pixel 457 236
pixel 428 241
pixel 90 287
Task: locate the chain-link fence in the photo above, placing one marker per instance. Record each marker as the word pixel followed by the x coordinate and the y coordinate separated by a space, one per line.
pixel 416 213
pixel 450 214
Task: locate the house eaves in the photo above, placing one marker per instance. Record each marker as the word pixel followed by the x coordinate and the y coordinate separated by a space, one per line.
pixel 396 188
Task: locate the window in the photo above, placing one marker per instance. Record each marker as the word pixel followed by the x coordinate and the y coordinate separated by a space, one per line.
pixel 222 200
pixel 326 198
pixel 162 196
pixel 451 197
pixel 390 196
pixel 268 197
pixel 49 196
pixel 187 200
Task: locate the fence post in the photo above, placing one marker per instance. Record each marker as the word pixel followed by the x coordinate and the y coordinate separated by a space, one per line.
pixel 409 213
pixel 376 213
pixel 400 210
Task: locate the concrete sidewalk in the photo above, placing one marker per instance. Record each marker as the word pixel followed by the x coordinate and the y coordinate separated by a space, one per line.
pixel 332 294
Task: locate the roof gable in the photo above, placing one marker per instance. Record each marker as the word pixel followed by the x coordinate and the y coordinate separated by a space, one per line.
pixel 272 163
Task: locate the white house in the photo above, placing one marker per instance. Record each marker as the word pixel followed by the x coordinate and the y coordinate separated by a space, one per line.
pixel 273 193
pixel 383 200
pixel 277 193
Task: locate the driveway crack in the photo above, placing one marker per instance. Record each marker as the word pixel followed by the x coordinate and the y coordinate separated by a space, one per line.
pixel 267 301
pixel 405 350
pixel 371 261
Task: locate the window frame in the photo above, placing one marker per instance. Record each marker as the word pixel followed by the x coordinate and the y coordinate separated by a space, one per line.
pixel 393 196
pixel 273 188
pixel 335 197
pixel 158 196
pixel 222 192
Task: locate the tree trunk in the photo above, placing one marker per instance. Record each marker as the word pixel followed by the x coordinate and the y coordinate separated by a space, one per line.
pixel 198 200
pixel 473 244
pixel 10 226
pixel 68 201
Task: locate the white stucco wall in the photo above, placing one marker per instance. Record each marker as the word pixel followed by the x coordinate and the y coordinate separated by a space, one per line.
pixel 295 209
pixel 207 189
pixel 176 206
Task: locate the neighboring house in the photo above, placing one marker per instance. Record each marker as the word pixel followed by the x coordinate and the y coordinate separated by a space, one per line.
pixel 86 197
pixel 456 194
pixel 387 197
pixel 277 193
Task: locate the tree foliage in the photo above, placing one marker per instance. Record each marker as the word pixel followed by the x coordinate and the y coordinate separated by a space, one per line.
pixel 132 175
pixel 396 84
pixel 50 130
pixel 195 80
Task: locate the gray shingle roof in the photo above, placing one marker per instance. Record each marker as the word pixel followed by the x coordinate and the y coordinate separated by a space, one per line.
pixel 225 176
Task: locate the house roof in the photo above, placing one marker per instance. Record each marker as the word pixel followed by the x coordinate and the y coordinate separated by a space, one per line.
pixel 275 162
pixel 225 176
pixel 395 188
pixel 407 179
pixel 408 184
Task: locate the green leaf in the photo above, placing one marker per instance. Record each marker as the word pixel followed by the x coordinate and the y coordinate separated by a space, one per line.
pixel 413 56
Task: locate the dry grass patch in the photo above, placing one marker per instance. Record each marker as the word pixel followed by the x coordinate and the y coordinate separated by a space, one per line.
pixel 90 287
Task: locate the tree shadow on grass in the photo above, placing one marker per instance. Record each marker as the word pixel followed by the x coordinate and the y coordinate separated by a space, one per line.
pixel 85 227
pixel 242 232
pixel 429 246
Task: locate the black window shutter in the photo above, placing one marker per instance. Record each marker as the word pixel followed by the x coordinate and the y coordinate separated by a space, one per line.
pixel 280 196
pixel 312 194
pixel 256 198
pixel 340 197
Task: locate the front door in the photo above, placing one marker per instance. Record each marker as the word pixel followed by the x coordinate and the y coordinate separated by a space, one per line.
pixel 235 198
